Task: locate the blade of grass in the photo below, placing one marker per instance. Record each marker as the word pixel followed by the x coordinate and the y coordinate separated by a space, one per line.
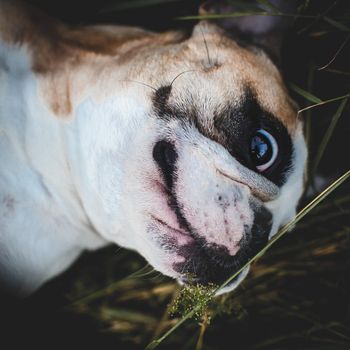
pixel 282 232
pixel 303 6
pixel 128 315
pixel 327 136
pixel 112 286
pixel 307 95
pixel 336 24
pixel 336 54
pixel 269 6
pixel 336 71
pixel 253 13
pixel 316 20
pixel 203 327
pixel 316 323
pixel 156 342
pixel 324 102
pixel 308 114
pixel 235 14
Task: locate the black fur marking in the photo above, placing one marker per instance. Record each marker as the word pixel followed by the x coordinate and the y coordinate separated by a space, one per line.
pixel 233 127
pixel 237 125
pixel 165 155
pixel 160 99
pixel 212 264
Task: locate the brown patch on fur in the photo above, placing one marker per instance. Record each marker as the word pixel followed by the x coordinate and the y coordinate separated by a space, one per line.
pixel 57 50
pixel 56 90
pixel 248 66
pixel 271 93
pixel 53 43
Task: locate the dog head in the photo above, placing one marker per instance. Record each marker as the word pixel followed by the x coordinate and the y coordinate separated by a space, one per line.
pixel 193 153
pixel 216 166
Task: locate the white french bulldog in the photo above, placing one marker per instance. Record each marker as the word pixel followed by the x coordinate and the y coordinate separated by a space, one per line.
pixel 186 149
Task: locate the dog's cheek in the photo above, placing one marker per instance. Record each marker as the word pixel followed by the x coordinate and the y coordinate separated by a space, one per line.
pixel 284 208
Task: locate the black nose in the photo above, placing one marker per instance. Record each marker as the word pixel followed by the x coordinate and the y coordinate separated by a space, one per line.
pixel 165 155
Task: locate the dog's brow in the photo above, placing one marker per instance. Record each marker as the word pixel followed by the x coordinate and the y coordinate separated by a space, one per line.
pixel 162 94
pixel 160 98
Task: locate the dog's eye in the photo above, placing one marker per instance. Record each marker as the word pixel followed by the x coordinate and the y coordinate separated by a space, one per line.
pixel 263 149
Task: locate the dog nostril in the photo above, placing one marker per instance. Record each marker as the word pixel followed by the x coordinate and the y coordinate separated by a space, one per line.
pixel 219 255
pixel 165 155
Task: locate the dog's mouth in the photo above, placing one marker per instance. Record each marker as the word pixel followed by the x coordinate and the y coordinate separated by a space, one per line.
pixel 200 262
pixel 196 263
pixel 174 238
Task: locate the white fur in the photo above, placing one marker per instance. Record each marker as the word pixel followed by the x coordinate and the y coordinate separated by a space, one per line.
pixel 284 207
pixel 72 184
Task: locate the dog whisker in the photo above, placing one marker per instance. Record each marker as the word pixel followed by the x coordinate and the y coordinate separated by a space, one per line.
pixel 139 82
pixel 210 64
pixel 177 76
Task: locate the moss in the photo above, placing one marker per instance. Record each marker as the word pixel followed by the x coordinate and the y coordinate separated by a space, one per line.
pixel 196 298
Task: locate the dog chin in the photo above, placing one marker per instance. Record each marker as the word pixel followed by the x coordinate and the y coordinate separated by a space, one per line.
pixel 229 287
pixel 183 280
pixel 234 283
pixel 183 257
pixel 192 260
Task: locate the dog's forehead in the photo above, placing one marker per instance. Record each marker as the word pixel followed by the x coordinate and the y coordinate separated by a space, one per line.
pixel 214 72
pixel 211 69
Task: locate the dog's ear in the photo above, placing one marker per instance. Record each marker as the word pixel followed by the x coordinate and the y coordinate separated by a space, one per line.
pixel 261 30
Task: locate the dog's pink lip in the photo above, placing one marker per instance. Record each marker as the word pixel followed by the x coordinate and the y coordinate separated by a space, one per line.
pixel 162 222
pixel 161 187
pixel 168 219
pixel 168 215
pixel 181 237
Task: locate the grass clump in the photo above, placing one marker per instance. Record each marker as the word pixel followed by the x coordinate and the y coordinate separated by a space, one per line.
pixel 193 299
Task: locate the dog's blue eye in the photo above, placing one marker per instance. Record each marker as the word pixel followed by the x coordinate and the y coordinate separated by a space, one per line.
pixel 263 150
